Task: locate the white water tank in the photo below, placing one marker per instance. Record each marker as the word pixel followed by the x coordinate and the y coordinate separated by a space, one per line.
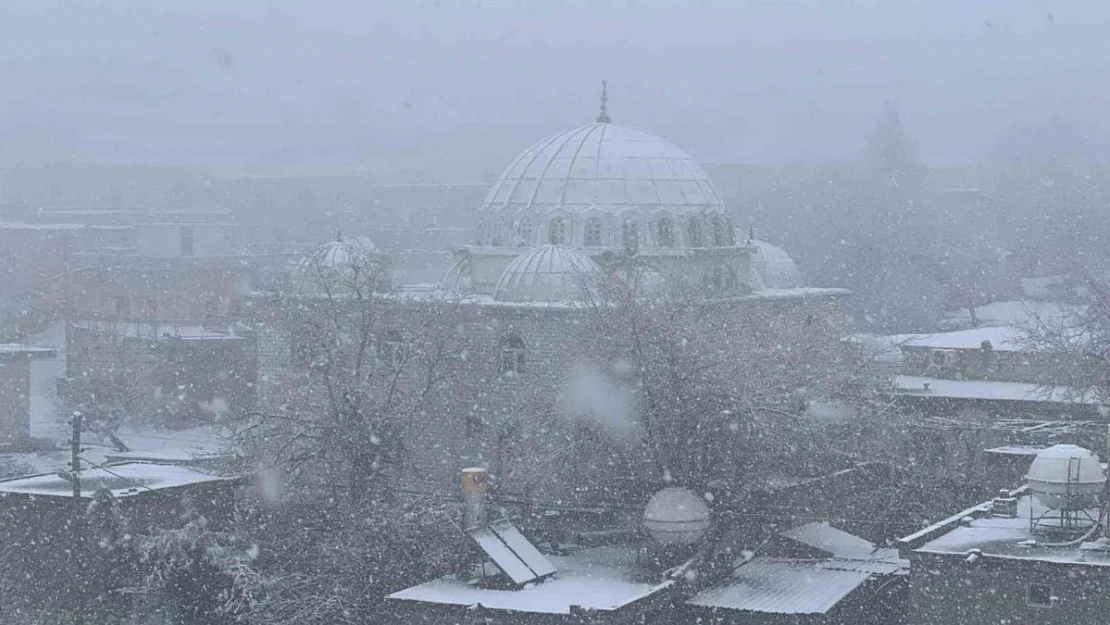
pixel 675 516
pixel 1066 477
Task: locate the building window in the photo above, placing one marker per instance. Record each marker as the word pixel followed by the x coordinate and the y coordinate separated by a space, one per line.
pixel 187 236
pixel 557 231
pixel 525 233
pixel 1040 595
pixel 593 232
pixel 512 354
pixel 630 234
pixel 391 349
pixel 665 231
pixel 718 232
pixel 693 233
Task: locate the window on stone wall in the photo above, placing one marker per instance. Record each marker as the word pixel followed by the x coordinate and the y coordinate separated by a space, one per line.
pixel 525 234
pixel 512 354
pixel 391 349
pixel 630 235
pixel 557 231
pixel 665 232
pixel 718 232
pixel 1040 595
pixel 593 232
pixel 693 233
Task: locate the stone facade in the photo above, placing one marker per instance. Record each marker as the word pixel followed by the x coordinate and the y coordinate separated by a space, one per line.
pixel 513 421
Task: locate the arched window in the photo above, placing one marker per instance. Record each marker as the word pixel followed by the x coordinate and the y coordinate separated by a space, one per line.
pixel 665 232
pixel 718 232
pixel 512 350
pixel 693 233
pixel 391 349
pixel 593 232
pixel 524 233
pixel 557 231
pixel 630 234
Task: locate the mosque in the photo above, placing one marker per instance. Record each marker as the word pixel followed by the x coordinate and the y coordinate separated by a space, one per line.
pixel 572 205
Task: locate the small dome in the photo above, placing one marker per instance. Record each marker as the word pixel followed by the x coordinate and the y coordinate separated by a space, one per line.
pixel 549 273
pixel 335 259
pixel 772 267
pixel 676 515
pixel 1066 477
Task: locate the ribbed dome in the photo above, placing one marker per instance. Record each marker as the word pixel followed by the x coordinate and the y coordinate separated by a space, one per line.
pixel 334 259
pixel 772 267
pixel 604 170
pixel 549 273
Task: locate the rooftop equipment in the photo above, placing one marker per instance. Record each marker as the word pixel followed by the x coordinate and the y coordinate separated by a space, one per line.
pixel 1067 480
pixel 676 515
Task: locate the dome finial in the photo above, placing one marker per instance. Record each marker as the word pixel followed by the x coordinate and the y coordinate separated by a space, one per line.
pixel 338 234
pixel 604 117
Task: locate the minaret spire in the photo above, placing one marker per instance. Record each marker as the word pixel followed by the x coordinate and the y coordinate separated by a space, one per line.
pixel 604 117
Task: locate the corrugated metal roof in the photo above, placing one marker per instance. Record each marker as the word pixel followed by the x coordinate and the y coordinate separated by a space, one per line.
pixel 827 538
pixel 781 586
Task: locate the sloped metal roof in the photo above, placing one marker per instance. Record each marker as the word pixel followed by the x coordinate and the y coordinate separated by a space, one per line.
pixel 781 586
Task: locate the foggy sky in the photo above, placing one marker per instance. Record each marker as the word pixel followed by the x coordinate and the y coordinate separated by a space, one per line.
pixel 335 85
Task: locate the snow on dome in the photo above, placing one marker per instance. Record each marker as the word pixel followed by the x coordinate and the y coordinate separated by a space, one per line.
pixel 549 274
pixel 1066 477
pixel 603 171
pixel 676 515
pixel 772 267
pixel 337 257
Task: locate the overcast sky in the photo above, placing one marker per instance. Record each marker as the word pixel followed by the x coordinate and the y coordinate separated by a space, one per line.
pixel 340 84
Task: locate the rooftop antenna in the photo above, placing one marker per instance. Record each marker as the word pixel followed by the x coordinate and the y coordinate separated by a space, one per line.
pixel 604 117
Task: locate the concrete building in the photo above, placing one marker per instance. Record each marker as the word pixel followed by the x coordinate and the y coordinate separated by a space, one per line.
pixel 15 391
pixel 1022 557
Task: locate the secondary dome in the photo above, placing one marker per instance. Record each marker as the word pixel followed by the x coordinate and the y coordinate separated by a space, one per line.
pixel 676 515
pixel 549 273
pixel 772 267
pixel 336 259
pixel 1066 477
pixel 609 173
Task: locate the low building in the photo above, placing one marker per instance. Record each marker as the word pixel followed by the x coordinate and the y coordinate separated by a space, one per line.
pixel 1013 559
pixel 15 391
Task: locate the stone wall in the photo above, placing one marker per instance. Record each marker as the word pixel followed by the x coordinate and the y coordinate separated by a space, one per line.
pixel 513 421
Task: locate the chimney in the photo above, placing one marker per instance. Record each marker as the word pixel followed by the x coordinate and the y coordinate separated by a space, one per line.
pixel 475 483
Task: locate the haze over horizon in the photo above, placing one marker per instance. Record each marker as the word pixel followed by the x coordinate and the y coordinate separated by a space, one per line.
pixel 299 86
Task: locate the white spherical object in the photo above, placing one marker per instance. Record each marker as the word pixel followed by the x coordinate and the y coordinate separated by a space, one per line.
pixel 1066 477
pixel 675 516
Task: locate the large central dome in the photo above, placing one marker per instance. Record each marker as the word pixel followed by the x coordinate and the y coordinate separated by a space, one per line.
pixel 600 186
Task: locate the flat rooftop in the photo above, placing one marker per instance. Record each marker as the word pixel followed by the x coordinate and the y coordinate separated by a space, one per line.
pixel 601 578
pixel 976 529
pixel 123 480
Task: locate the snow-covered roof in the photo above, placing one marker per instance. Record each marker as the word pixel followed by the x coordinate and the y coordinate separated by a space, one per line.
pixel 549 273
pixel 338 258
pixel 123 480
pixel 1002 338
pixel 134 329
pixel 10 350
pixel 920 386
pixel 1003 537
pixel 599 579
pixel 772 267
pixel 604 167
pixel 1014 313
pixel 827 538
pixel 782 586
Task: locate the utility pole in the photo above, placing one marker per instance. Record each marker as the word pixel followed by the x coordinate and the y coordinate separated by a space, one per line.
pixel 77 527
pixel 74 453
